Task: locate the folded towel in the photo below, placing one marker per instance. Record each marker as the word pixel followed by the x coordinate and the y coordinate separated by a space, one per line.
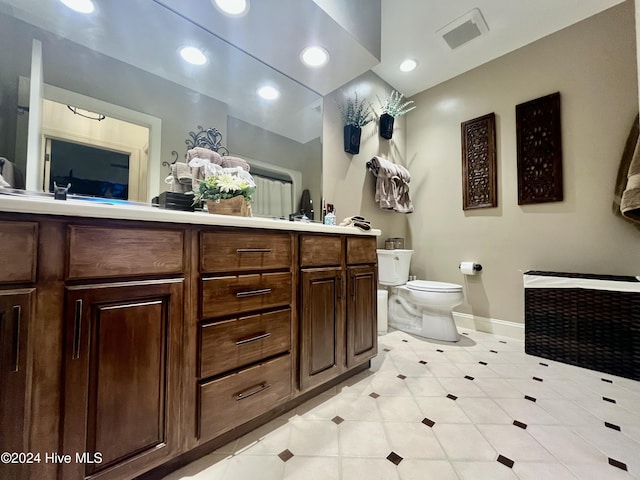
pixel 230 162
pixel 627 192
pixel 392 185
pixel 3 182
pixel 205 154
pixel 357 221
pixel 182 172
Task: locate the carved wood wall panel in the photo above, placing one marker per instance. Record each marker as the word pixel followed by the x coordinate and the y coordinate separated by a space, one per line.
pixel 539 137
pixel 479 169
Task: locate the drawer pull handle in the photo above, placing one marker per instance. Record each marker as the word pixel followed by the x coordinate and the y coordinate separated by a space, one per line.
pixel 253 391
pixel 252 293
pixel 17 310
pixel 253 250
pixel 76 331
pixel 260 336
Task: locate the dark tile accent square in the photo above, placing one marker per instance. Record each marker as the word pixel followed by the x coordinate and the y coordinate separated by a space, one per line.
pixel 520 424
pixel 394 458
pixel 493 351
pixel 616 463
pixel 465 333
pixel 531 399
pixel 502 341
pixel 423 362
pixel 337 420
pixel 441 351
pixel 387 350
pixel 405 341
pixel 606 380
pixel 507 462
pixel 452 397
pixel 607 399
pixel 483 363
pixel 544 364
pixel 468 377
pixel 612 426
pixel 374 395
pixel 285 455
pixel 428 422
pixel 401 377
pixel 537 379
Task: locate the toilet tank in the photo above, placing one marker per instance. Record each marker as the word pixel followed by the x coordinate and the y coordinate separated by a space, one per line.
pixel 393 266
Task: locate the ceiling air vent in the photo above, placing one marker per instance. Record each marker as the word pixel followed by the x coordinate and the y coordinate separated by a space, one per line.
pixel 463 29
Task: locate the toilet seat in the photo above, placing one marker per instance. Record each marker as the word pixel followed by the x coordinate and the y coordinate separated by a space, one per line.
pixel 427 286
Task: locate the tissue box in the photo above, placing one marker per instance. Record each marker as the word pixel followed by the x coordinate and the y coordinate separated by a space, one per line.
pixel 176 201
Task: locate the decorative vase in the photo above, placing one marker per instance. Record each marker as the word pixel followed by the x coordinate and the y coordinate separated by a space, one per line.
pixel 352 139
pixel 386 126
pixel 237 206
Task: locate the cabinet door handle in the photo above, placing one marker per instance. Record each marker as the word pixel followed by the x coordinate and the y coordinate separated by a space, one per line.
pixel 253 250
pixel 340 287
pixel 76 331
pixel 252 391
pixel 255 338
pixel 15 351
pixel 252 293
pixel 353 286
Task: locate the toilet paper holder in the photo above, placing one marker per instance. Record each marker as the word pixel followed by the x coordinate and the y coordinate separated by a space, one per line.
pixel 476 266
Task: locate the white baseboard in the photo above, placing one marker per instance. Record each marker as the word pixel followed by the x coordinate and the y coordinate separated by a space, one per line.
pixel 490 325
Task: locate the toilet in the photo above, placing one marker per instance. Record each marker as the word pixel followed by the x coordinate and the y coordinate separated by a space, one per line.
pixel 419 307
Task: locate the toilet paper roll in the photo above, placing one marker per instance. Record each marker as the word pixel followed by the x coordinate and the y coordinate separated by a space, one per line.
pixel 468 268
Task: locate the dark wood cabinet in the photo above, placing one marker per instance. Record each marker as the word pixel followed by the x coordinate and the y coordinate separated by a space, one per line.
pixel 338 324
pixel 121 383
pixel 321 325
pixel 362 340
pixel 16 308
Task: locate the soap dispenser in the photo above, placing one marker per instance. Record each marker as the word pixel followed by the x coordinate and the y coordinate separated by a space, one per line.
pixel 330 217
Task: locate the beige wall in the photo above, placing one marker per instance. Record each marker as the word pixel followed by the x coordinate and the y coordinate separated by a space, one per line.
pixel 593 66
pixel 346 182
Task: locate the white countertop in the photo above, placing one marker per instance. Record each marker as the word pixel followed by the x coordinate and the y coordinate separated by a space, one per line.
pixel 81 208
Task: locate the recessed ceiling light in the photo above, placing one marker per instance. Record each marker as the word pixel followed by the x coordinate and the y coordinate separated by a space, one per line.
pixel 408 65
pixel 314 56
pixel 234 8
pixel 82 6
pixel 268 92
pixel 193 55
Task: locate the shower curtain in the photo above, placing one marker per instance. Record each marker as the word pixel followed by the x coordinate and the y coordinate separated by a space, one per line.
pixel 273 197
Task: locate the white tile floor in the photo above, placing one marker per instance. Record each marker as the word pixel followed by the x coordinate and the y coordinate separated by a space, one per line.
pixel 477 409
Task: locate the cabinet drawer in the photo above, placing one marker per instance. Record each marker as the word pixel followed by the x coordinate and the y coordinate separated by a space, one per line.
pixel 235 399
pixel 235 343
pixel 236 252
pixel 361 250
pixel 233 294
pixel 18 251
pixel 320 250
pixel 114 252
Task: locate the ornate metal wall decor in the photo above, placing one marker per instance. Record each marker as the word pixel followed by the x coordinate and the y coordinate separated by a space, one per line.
pixel 210 138
pixel 539 137
pixel 479 169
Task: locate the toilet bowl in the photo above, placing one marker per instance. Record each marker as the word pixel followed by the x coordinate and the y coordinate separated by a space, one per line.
pixel 419 307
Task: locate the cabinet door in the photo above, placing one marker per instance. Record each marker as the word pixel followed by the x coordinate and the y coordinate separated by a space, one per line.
pixel 322 326
pixel 362 338
pixel 121 377
pixel 15 315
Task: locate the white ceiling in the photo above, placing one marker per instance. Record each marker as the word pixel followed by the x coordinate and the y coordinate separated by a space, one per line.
pixel 409 26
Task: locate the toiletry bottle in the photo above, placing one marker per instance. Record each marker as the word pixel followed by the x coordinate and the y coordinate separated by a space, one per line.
pixel 330 217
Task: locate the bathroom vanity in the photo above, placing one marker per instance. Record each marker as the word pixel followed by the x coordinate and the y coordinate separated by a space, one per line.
pixel 133 338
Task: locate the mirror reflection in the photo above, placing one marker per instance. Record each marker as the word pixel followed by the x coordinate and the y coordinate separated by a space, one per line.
pixel 113 80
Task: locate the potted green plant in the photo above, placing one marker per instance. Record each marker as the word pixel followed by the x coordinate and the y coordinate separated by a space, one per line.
pixel 355 115
pixel 392 107
pixel 225 194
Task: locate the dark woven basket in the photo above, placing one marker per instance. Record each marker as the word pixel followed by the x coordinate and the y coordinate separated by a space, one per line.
pixel 595 329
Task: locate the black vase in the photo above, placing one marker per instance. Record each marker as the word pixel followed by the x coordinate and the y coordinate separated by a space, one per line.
pixel 386 126
pixel 352 139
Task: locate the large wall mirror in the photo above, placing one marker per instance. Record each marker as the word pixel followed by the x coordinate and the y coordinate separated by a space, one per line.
pixel 113 81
